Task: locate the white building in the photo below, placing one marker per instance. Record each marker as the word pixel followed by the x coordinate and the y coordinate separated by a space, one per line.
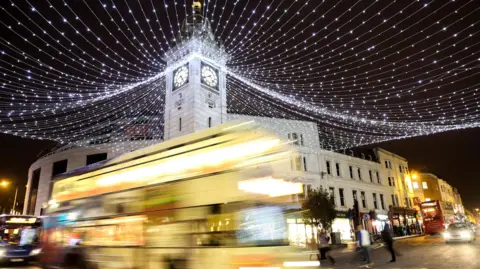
pixel 196 98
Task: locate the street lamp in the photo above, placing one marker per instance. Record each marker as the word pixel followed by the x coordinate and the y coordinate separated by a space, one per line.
pixel 4 183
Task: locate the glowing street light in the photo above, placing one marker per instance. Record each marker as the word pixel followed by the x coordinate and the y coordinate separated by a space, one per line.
pixel 4 183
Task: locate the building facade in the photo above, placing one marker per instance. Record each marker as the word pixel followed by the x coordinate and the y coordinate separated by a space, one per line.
pixel 429 187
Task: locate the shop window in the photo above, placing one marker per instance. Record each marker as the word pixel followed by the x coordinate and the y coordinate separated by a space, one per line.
pixel 427 199
pixel 350 168
pixel 370 174
pixel 337 167
pixel 424 185
pixel 329 170
pixel 364 200
pixel 375 204
pixel 359 174
pixel 342 197
pixel 382 203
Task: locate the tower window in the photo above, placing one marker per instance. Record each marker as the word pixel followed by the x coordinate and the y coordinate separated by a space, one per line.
pixel 209 122
pixel 180 124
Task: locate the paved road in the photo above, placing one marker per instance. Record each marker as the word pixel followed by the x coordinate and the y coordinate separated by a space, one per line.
pixel 426 252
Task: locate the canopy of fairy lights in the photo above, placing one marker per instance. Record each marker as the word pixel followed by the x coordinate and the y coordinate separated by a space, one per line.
pixel 364 71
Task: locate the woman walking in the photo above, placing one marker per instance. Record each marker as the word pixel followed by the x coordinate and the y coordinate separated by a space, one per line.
pixel 324 247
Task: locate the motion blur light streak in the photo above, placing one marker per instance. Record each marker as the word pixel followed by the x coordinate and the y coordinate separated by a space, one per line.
pixel 302 264
pixel 270 186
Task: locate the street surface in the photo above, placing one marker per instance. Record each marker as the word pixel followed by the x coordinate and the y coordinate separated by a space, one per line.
pixel 425 252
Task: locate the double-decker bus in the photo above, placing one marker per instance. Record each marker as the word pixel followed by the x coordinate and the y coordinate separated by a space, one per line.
pixel 436 215
pixel 212 199
pixel 19 238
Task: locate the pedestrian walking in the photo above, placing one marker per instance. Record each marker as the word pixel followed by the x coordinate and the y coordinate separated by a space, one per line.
pixel 324 247
pixel 363 238
pixel 388 239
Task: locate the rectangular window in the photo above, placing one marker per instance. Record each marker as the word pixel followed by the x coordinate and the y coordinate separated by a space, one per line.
pixel 370 174
pixel 95 158
pixel 350 168
pixel 424 185
pixel 301 139
pixel 393 181
pixel 332 194
pixel 329 170
pixel 400 169
pixel 415 185
pixel 342 197
pixel 295 138
pixel 375 204
pixel 32 199
pixel 304 164
pixel 355 198
pixel 378 177
pixel 406 202
pixel 309 189
pixel 389 181
pixel 296 163
pixel 393 200
pixel 396 200
pixel 209 122
pixel 386 163
pixel 381 202
pixel 59 167
pixel 337 166
pixel 359 174
pixel 364 200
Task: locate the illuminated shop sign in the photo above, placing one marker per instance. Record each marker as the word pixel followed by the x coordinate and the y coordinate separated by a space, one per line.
pixel 429 204
pixel 21 220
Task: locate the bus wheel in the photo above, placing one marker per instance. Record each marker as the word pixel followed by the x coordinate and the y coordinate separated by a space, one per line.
pixel 74 262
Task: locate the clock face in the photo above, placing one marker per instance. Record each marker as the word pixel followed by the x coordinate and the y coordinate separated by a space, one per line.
pixel 209 76
pixel 180 77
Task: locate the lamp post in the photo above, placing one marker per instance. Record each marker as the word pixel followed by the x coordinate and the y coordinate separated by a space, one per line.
pixel 4 184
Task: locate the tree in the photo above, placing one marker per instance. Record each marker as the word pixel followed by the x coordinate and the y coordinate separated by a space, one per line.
pixel 319 208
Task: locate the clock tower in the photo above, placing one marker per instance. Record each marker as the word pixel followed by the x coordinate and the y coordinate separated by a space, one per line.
pixel 196 96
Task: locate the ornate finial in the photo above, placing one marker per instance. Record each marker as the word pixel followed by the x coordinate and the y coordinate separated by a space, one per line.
pixel 197 7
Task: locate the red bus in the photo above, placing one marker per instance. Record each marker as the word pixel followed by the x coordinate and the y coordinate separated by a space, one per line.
pixel 436 216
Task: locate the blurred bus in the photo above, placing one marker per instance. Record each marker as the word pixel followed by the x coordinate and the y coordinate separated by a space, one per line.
pixel 437 216
pixel 212 199
pixel 19 238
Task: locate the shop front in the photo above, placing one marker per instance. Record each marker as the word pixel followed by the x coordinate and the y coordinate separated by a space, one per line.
pixel 343 225
pixel 404 221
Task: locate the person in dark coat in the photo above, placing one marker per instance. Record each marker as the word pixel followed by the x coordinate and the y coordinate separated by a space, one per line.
pixel 387 238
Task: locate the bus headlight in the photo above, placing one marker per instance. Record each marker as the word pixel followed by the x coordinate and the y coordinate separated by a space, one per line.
pixel 465 235
pixel 35 251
